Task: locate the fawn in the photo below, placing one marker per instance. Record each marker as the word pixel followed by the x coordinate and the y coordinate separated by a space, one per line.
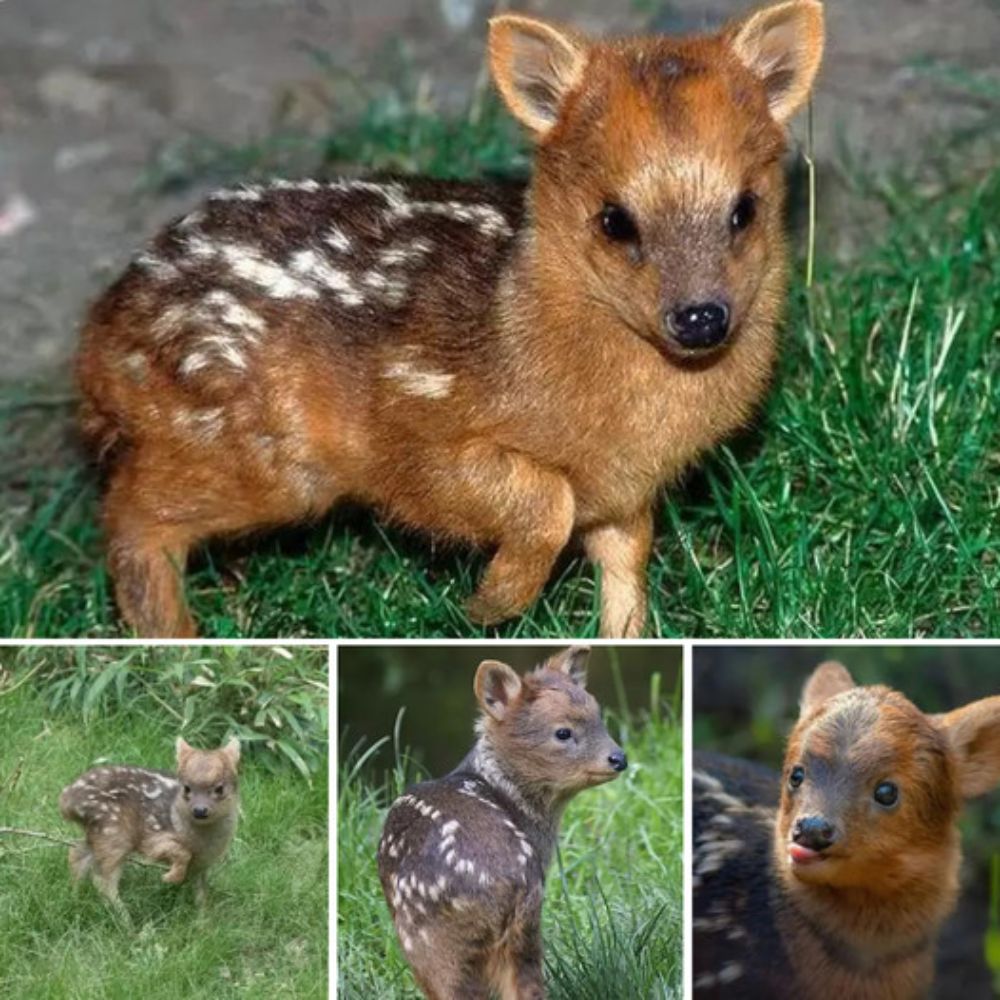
pixel 463 858
pixel 492 363
pixel 839 888
pixel 186 820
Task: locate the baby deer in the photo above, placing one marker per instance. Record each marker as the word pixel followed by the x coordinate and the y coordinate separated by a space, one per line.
pixel 186 820
pixel 497 364
pixel 463 858
pixel 841 892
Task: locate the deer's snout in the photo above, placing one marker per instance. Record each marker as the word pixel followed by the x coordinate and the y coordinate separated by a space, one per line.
pixel 699 326
pixel 618 760
pixel 200 812
pixel 815 832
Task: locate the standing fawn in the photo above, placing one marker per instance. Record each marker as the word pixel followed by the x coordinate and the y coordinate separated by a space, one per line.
pixel 839 889
pixel 186 820
pixel 463 858
pixel 497 364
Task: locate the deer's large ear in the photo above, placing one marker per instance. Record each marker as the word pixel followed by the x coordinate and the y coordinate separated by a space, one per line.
pixel 572 662
pixel 184 750
pixel 231 752
pixel 497 686
pixel 828 679
pixel 974 735
pixel 535 65
pixel 782 46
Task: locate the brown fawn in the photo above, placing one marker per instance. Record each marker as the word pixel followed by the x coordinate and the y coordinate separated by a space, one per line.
pixel 186 820
pixel 463 858
pixel 496 364
pixel 839 888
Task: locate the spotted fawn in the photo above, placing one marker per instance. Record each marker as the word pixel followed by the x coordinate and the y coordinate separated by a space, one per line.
pixel 497 364
pixel 185 820
pixel 834 879
pixel 463 858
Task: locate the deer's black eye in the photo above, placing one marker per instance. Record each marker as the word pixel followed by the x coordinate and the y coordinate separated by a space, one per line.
pixel 796 777
pixel 187 789
pixel 886 793
pixel 617 224
pixel 563 734
pixel 744 212
pixel 219 789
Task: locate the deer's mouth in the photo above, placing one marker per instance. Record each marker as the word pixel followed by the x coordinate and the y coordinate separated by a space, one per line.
pixel 802 857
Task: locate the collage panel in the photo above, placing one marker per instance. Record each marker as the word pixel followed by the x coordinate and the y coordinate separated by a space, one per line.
pixel 510 822
pixel 846 821
pixel 163 822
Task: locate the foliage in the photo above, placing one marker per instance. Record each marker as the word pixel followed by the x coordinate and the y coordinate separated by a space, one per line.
pixel 272 699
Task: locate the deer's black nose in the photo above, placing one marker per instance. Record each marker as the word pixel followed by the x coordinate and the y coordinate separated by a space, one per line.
pixel 700 326
pixel 815 832
pixel 200 812
pixel 618 760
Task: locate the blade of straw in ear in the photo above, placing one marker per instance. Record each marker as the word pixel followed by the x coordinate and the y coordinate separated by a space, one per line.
pixel 811 169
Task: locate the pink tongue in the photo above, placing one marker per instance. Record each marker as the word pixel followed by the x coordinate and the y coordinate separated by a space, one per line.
pixel 802 855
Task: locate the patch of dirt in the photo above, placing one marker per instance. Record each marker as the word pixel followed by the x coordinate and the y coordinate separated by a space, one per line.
pixel 91 90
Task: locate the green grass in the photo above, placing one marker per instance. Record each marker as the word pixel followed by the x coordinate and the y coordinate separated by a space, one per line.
pixel 264 931
pixel 862 503
pixel 613 913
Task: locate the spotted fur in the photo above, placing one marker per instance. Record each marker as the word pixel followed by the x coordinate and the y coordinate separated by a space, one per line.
pixel 184 819
pixel 475 360
pixel 463 858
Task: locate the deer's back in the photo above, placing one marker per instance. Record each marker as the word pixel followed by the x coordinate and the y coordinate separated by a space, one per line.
pixel 738 950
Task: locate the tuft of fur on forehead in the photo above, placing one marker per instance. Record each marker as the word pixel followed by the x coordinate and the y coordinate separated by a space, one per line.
pixel 203 768
pixel 543 680
pixel 686 106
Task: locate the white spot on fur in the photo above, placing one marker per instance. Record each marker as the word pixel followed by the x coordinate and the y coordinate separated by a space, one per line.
pixel 157 267
pixel 311 266
pixel 246 192
pixel 450 827
pixel 338 239
pixel 404 253
pixel 248 264
pixel 417 381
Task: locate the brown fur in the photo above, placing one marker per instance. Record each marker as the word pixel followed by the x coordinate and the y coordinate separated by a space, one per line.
pixel 463 858
pixel 480 362
pixel 861 920
pixel 185 820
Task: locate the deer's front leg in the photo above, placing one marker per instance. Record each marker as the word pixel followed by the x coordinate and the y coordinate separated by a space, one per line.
pixel 487 495
pixel 621 549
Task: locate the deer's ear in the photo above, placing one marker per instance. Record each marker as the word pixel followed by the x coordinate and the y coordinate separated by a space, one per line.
pixel 974 735
pixel 184 750
pixel 535 64
pixel 782 46
pixel 826 681
pixel 497 687
pixel 572 662
pixel 231 751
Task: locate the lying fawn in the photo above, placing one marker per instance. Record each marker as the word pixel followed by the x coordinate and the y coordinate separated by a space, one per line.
pixel 186 820
pixel 841 892
pixel 490 363
pixel 463 858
